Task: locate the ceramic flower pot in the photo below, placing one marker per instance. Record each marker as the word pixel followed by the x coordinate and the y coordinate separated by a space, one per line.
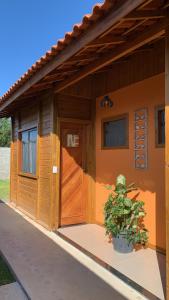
pixel 120 244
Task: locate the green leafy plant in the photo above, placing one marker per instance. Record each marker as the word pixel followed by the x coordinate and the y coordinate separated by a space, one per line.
pixel 123 215
pixel 5 132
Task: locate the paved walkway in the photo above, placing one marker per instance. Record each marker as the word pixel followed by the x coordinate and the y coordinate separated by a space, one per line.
pixel 12 291
pixel 43 268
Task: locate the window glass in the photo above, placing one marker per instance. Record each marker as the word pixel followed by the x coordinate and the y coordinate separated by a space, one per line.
pixel 25 151
pixel 29 141
pixel 32 145
pixel 115 133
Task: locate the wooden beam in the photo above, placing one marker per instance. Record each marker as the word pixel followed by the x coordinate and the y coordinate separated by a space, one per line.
pixel 166 4
pixel 145 4
pixel 167 153
pixel 107 40
pixel 145 14
pixel 98 29
pixel 134 27
pixel 140 40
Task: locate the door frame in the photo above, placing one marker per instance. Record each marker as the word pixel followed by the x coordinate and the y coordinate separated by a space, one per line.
pixel 90 165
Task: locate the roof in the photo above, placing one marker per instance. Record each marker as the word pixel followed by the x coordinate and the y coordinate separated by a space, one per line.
pixel 147 15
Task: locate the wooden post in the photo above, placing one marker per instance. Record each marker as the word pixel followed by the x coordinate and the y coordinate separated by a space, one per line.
pixel 167 153
pixel 38 160
pixel 54 176
pixel 57 149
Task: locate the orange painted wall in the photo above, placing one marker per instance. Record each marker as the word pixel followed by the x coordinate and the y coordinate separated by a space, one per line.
pixel 110 163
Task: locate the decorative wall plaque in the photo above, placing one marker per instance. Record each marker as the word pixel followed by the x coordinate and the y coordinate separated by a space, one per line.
pixel 140 138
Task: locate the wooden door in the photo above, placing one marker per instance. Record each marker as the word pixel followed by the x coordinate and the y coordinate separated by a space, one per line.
pixel 73 183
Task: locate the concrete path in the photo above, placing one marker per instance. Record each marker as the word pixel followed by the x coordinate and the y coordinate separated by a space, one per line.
pixel 12 291
pixel 43 268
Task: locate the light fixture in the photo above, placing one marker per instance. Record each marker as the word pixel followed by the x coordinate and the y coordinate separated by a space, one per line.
pixel 106 102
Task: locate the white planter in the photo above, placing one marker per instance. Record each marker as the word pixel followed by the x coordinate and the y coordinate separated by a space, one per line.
pixel 120 245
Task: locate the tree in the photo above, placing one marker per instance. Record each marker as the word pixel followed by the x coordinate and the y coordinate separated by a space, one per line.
pixel 5 132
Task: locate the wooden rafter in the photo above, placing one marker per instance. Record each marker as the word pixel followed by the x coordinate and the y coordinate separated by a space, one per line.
pixel 143 38
pixel 134 27
pixel 145 4
pixel 166 4
pixel 107 40
pixel 145 14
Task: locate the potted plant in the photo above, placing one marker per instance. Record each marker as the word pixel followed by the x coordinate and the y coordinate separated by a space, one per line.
pixel 124 217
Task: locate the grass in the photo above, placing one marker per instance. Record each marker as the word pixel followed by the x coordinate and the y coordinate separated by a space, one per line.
pixel 5 274
pixel 4 189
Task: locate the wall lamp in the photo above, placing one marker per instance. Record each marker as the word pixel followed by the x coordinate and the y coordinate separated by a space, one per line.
pixel 106 102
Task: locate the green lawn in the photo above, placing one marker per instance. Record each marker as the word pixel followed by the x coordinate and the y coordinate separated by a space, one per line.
pixel 5 274
pixel 4 189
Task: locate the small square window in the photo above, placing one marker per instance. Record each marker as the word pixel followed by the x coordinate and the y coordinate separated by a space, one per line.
pixel 115 132
pixel 160 127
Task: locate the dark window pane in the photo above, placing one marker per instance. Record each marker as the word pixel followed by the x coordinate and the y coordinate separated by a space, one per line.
pixel 29 139
pixel 161 127
pixel 115 133
pixel 25 152
pixel 32 151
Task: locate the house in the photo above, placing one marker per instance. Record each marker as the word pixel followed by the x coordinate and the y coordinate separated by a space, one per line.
pixel 91 108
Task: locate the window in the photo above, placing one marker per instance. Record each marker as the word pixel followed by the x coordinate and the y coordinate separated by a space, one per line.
pixel 29 141
pixel 160 126
pixel 115 132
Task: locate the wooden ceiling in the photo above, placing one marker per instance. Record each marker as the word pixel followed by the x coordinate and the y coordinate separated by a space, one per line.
pixel 140 28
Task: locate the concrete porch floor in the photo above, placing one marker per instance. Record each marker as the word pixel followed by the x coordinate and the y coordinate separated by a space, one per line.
pixel 48 268
pixel 145 267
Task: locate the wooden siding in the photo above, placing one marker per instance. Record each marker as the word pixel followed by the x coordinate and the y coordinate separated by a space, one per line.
pixel 73 107
pixel 37 196
pixel 137 67
pixel 33 195
pixel 45 156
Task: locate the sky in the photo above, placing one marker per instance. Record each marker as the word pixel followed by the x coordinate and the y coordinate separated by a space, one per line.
pixel 28 28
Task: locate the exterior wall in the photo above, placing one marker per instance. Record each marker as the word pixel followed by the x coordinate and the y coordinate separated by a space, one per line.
pixel 36 196
pixel 110 163
pixel 4 163
pixel 33 195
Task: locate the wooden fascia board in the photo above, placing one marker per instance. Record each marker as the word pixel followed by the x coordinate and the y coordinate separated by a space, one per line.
pixel 113 17
pixel 140 40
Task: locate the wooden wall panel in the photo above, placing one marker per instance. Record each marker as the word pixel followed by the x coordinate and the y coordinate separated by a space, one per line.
pixel 137 67
pixel 33 196
pixel 29 117
pixel 45 153
pixel 73 107
pixel 27 195
pixel 83 88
